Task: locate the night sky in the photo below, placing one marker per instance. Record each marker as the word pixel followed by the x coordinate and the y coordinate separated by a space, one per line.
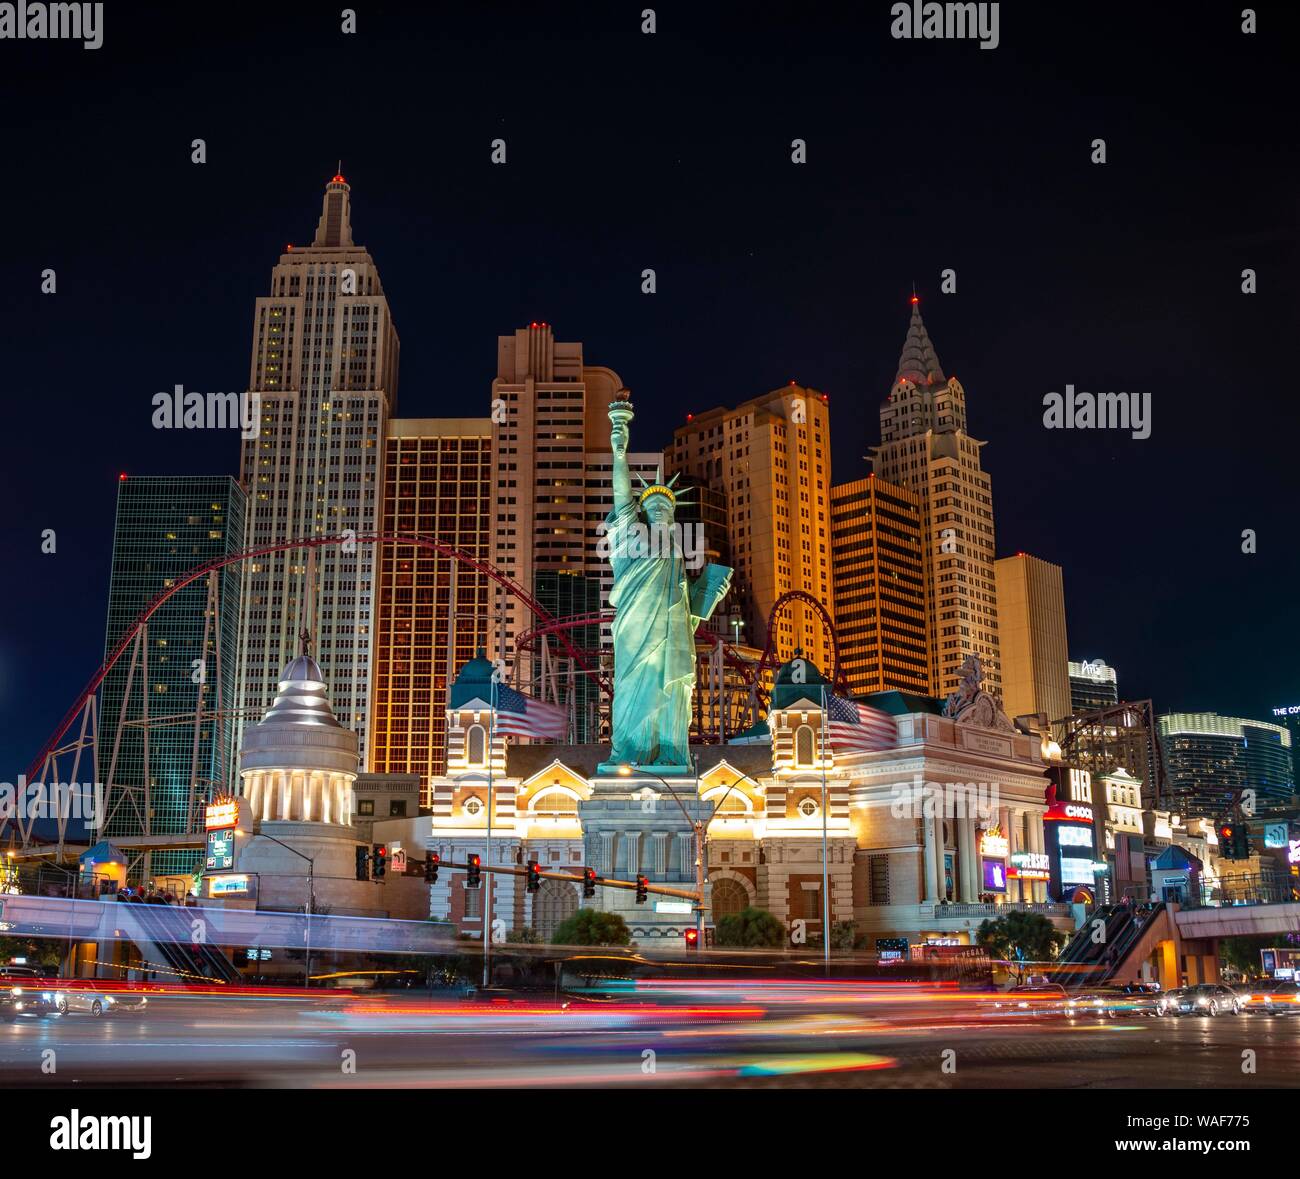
pixel 672 151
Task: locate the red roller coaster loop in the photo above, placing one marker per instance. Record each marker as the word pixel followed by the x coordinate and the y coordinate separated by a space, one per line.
pixel 313 542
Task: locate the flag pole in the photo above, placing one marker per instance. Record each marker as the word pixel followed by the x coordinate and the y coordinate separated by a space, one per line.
pixel 487 884
pixel 826 891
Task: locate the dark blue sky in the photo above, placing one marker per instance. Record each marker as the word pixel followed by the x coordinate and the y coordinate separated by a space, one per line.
pixel 672 151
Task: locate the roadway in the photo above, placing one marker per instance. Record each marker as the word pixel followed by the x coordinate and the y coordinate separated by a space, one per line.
pixel 775 1034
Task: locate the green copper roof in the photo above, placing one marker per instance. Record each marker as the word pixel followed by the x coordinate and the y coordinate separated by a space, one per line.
pixel 474 681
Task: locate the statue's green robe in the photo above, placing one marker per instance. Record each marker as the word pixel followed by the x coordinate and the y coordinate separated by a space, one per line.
pixel 654 650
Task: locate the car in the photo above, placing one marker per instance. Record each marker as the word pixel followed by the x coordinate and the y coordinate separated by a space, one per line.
pixel 1273 996
pixel 1201 999
pixel 1036 999
pixel 1124 999
pixel 96 1001
pixel 23 991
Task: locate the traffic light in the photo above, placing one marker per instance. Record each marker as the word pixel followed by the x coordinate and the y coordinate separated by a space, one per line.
pixel 363 864
pixel 380 860
pixel 641 893
pixel 473 876
pixel 533 876
pixel 1234 841
pixel 1243 842
pixel 431 862
pixel 692 939
pixel 588 883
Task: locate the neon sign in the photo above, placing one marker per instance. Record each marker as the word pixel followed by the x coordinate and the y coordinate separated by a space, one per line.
pixel 218 815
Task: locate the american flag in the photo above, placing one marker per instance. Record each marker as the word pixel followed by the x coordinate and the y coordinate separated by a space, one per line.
pixel 518 715
pixel 855 728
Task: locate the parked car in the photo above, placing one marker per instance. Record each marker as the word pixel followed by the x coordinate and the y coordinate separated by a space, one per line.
pixel 96 1002
pixel 24 991
pixel 1201 999
pixel 1272 996
pixel 1132 999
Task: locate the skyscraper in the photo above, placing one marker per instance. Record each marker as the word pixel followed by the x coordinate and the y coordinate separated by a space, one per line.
pixel 925 448
pixel 166 526
pixel 552 482
pixel 1031 635
pixel 437 483
pixel 323 384
pixel 880 618
pixel 771 457
pixel 1210 759
pixel 1093 685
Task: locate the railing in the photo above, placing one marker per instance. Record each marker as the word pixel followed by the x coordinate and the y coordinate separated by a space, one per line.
pixel 996 909
pixel 1242 890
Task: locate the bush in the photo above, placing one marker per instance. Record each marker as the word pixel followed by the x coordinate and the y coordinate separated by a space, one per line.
pixel 749 928
pixel 844 936
pixel 592 927
pixel 526 936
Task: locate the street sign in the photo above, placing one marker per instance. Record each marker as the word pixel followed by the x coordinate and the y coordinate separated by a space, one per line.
pixel 1275 834
pixel 397 862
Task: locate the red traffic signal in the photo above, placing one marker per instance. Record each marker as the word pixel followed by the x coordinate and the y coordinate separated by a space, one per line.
pixel 533 876
pixel 431 864
pixel 642 886
pixel 473 875
pixel 692 939
pixel 588 883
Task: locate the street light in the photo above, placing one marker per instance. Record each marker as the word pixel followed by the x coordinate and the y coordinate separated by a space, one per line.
pixel 697 828
pixel 311 894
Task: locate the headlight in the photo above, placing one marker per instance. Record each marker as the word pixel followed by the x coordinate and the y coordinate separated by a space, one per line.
pixel 17 991
pixel 48 997
pixel 108 998
pixel 1201 1002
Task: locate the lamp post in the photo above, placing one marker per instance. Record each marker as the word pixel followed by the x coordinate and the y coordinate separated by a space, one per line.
pixel 697 828
pixel 311 894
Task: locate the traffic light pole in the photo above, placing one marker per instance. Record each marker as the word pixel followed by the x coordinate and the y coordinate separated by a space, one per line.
pixel 658 889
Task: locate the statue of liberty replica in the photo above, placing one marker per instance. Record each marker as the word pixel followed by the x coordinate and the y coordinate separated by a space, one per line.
pixel 658 606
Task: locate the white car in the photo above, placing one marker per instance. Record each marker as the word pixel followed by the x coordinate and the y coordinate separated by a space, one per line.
pixel 95 1003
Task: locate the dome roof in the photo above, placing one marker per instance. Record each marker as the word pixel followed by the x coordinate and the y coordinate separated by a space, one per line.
pixel 301 699
pixel 474 681
pixel 787 689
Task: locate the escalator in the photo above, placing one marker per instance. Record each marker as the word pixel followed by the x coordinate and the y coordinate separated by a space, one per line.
pixel 1090 961
pixel 163 934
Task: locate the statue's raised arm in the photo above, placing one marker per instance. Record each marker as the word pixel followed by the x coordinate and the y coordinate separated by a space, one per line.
pixel 620 415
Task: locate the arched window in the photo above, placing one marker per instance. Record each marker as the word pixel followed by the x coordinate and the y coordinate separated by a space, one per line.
pixel 803 746
pixel 555 802
pixel 733 803
pixel 475 745
pixel 728 896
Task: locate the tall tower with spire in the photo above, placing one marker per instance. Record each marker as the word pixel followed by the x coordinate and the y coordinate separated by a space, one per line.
pixel 925 448
pixel 323 384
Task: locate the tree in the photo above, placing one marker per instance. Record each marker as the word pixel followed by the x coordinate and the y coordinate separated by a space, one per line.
pixel 1021 938
pixel 592 927
pixel 749 928
pixel 524 936
pixel 844 935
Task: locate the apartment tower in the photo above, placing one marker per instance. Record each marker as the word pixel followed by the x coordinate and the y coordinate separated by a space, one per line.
pixel 880 618
pixel 434 611
pixel 771 458
pixel 1031 635
pixel 926 449
pixel 323 383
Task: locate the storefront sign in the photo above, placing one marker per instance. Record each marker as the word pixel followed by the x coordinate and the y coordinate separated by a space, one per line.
pixel 994 844
pixel 229 886
pixel 1276 834
pixel 221 814
pixel 995 876
pixel 221 850
pixel 1030 866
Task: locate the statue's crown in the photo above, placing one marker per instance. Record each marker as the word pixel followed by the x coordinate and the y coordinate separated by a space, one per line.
pixel 658 489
